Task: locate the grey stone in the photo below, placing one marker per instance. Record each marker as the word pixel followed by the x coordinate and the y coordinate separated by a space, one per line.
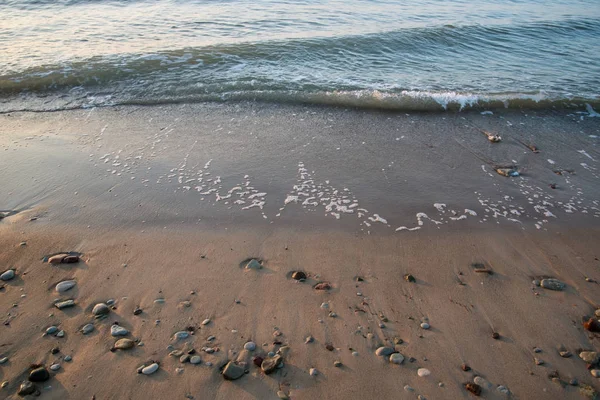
pixel 206 321
pixel 116 330
pixel 232 371
pixel 55 367
pixel 110 302
pixel 250 346
pixel 150 369
pixel 253 264
pixel 51 330
pixel 100 309
pixel 337 364
pixel 552 284
pixel 384 351
pixel 425 325
pixel 408 388
pixel 64 286
pixel 482 382
pixel 3 360
pixel 396 358
pixel 503 389
pixel 7 275
pixel 313 372
pixel 68 358
pixel 65 304
pixel 87 328
pixel 195 360
pixel 184 358
pixel 181 335
pixel 423 372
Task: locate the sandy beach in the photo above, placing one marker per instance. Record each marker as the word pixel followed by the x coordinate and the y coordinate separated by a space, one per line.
pixel 437 270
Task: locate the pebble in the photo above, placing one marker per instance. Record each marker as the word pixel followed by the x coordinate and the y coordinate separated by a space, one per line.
pixel 4 384
pixel 282 395
pixel 536 282
pixel 51 330
pixel 337 364
pixel 159 301
pixel 7 275
pixel 60 334
pixel 57 259
pixel 181 335
pixel 384 351
pixel 552 284
pixel 209 350
pixel 565 354
pixel 233 371
pixel 55 367
pixel 503 389
pixel 396 358
pixel 55 350
pixel 3 360
pixel 250 346
pixel 124 344
pixel 195 360
pixel 253 264
pixel 409 388
pixel 324 306
pixel 110 302
pixel 592 325
pixel 537 350
pixel 595 373
pixel 176 353
pixel 309 339
pixel 26 388
pixel 210 338
pixel 482 382
pixel 332 315
pixel 206 321
pixel 116 330
pixel 179 371
pixel 270 363
pixel 597 313
pixel 39 374
pixel 184 358
pixel 299 275
pixel 137 311
pixel 355 353
pixel 323 286
pixel 313 372
pixel 65 304
pixel 538 361
pixel 381 325
pixel 589 357
pixel 473 388
pixel 423 372
pixel 409 278
pixel 150 369
pixel 425 325
pixel 88 328
pixel 64 286
pixel 100 309
pixel 68 358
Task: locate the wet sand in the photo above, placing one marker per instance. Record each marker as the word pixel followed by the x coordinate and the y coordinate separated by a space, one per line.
pixel 141 193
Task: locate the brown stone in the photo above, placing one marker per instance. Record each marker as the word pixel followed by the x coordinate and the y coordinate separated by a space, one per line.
pixel 323 286
pixel 592 325
pixel 270 364
pixel 57 259
pixel 473 388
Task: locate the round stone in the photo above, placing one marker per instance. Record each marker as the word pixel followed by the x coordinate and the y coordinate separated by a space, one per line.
pixel 195 360
pixel 423 372
pixel 100 309
pixel 7 275
pixel 51 330
pixel 396 358
pixel 88 328
pixel 250 346
pixel 150 369
pixel 39 374
pixel 116 330
pixel 55 367
pixel 64 286
pixel 384 351
pixel 298 275
pixel 425 325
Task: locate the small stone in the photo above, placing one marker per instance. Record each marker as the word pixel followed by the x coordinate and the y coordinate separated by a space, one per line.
pixel 441 384
pixel 124 344
pixel 398 340
pixel 57 259
pixel 65 304
pixel 209 350
pixel 408 388
pixel 355 353
pixel 465 367
pixel 503 389
pixel 384 351
pixel 298 275
pixel 396 358
pixel 538 361
pixel 565 354
pixel 423 372
pixel 210 338
pixel 116 330
pixel 176 353
pixel 184 358
pixel 70 259
pixel 150 369
pixel 592 325
pixel 313 372
pixel 536 282
pixel 55 367
pixel 233 371
pixel 54 350
pixel 410 278
pixel 39 374
pixel 595 373
pixel 180 371
pixel 282 395
pixel 7 275
pixel 495 335
pixel 574 382
pixel 590 357
pixel 68 358
pixel 181 335
pixel 250 346
pixel 159 301
pixel 381 325
pixel 425 325
pixel 26 388
pixel 309 339
pixel 323 286
pixel 597 313
pixel 253 264
pixel 324 306
pixel 329 347
pixel 473 388
pixel 51 330
pixel 3 360
pixel 206 321
pixel 88 328
pixel 337 364
pixel 64 286
pixel 270 364
pixel 537 350
pixel 257 361
pixel 552 284
pixel 195 360
pixel 4 384
pixel 100 309
pixel 332 314
pixel 110 302
pixel 60 334
pixel 137 311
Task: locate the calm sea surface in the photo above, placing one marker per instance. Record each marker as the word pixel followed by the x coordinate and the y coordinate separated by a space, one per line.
pixel 404 54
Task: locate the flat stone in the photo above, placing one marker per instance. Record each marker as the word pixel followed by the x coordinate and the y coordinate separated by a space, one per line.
pixel 309 339
pixel 552 284
pixel 7 275
pixel 124 344
pixel 39 374
pixel 253 264
pixel 181 335
pixel 384 351
pixel 64 286
pixel 68 358
pixel 206 321
pixel 87 328
pixel 57 259
pixel 396 358
pixel 425 325
pixel 26 388
pixel 423 372
pixel 65 304
pixel 232 371
pixel 51 330
pixel 159 301
pixel 565 354
pixel 408 388
pixel 250 346
pixel 110 302
pixel 100 309
pixel 269 364
pixel 589 357
pixel 195 360
pixel 137 311
pixel 55 367
pixel 60 334
pixel 150 369
pixel 116 330
pixel 176 353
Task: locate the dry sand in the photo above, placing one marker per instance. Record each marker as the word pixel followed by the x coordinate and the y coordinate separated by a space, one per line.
pixel 143 241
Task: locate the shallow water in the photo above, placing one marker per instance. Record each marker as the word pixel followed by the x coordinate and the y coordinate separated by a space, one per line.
pixel 428 54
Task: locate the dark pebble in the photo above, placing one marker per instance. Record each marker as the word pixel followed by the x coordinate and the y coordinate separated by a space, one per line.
pixel 40 374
